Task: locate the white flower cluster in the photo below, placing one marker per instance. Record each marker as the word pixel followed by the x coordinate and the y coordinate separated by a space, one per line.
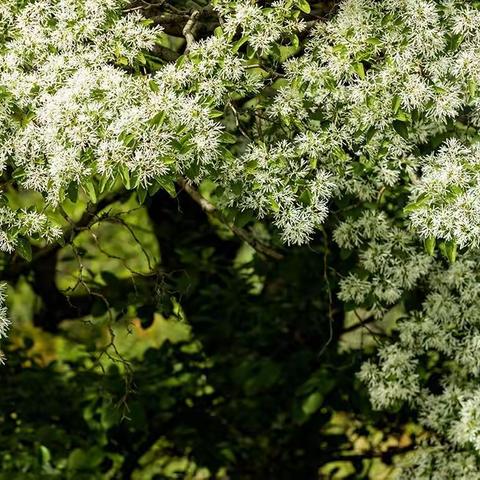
pixel 447 197
pixel 212 71
pixel 61 93
pixel 437 461
pixel 389 261
pixel 373 86
pixel 378 83
pixel 71 113
pixel 443 337
pixel 261 26
pixel 15 225
pixel 388 90
pixel 274 181
pixel 395 380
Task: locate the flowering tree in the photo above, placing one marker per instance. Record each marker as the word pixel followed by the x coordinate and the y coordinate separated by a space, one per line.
pixel 356 124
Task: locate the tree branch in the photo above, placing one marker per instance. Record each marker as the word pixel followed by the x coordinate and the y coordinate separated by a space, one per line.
pixel 188 29
pixel 241 233
pixel 360 324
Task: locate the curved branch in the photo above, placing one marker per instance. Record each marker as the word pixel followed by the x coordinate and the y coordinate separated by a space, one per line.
pixel 241 233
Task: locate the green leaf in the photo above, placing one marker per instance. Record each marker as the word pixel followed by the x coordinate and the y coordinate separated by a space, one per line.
pixel 72 192
pixel 168 185
pixel 18 173
pixel 295 41
pixel 106 183
pixel 456 40
pixel 305 198
pixel 274 205
pixel 422 200
pixel 403 116
pixel 226 137
pixel 158 119
pixel 275 49
pixel 24 248
pixel 44 455
pixel 401 129
pixel 472 88
pixel 141 58
pixel 312 403
pixel 304 6
pixel 430 245
pixel 180 61
pixel 396 102
pixel 370 133
pixel 360 70
pixel 374 41
pixel 141 195
pixel 128 139
pixel 239 43
pixel 86 460
pixel 91 191
pixel 451 250
pixel 215 113
pixel 250 52
pixel 153 86
pixel 125 175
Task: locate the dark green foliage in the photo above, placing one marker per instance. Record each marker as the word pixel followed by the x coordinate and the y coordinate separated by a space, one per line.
pixel 250 389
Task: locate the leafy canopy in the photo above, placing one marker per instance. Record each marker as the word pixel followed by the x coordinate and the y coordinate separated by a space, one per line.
pixel 360 127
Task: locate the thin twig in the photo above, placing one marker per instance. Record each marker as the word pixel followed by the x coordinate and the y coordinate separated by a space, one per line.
pixel 329 293
pixel 360 324
pixel 237 121
pixel 370 331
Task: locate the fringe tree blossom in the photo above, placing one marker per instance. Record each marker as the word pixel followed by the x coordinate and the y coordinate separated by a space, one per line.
pixel 389 261
pixel 443 337
pixel 262 27
pixel 446 199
